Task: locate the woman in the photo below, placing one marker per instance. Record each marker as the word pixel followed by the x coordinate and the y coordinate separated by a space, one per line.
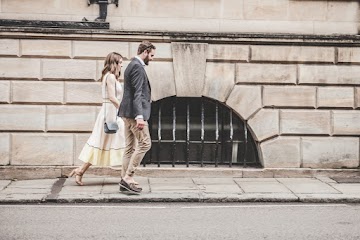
pixel 103 149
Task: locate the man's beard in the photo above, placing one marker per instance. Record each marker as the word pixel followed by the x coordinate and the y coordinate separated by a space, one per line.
pixel 146 60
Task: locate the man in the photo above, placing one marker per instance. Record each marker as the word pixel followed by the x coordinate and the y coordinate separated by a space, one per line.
pixel 135 111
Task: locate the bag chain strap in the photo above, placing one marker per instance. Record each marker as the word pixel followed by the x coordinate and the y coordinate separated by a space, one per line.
pixel 107 97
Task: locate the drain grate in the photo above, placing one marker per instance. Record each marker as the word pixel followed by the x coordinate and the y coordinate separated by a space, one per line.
pixel 346 180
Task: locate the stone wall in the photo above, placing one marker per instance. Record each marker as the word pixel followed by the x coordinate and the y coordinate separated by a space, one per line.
pixel 300 99
pixel 242 16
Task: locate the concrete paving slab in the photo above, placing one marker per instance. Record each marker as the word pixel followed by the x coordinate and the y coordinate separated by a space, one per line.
pixel 263 187
pixel 207 181
pixel 240 180
pixel 310 187
pixel 329 198
pixel 173 187
pixel 326 179
pixel 22 198
pixel 81 189
pixel 216 188
pixel 26 191
pixel 170 181
pixel 269 197
pixel 4 183
pixel 82 198
pixel 347 188
pixel 297 180
pixel 87 181
pixel 41 183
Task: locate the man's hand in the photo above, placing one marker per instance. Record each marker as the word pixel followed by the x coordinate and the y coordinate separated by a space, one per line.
pixel 140 123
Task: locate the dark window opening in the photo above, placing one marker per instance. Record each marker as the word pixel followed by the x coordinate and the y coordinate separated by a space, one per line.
pixel 199 131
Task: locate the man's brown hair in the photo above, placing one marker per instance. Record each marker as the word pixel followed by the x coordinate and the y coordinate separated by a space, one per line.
pixel 145 45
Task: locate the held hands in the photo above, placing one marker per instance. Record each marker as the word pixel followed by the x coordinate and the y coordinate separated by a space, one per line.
pixel 140 123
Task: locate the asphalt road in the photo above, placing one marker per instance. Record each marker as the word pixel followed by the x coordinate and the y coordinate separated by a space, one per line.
pixel 181 221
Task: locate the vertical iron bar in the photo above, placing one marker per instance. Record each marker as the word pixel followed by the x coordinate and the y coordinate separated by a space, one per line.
pixel 245 142
pixel 187 133
pixel 202 133
pixel 231 138
pixel 217 134
pixel 159 136
pixel 174 133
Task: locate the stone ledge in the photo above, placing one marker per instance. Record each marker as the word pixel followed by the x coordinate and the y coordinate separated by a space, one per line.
pixel 54 24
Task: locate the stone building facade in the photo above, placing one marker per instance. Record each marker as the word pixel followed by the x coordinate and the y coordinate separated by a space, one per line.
pixel 289 68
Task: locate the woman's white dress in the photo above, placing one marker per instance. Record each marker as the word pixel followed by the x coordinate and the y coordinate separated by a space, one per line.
pixel 103 149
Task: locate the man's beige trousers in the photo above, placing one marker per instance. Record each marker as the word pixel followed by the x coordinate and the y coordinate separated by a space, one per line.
pixel 137 142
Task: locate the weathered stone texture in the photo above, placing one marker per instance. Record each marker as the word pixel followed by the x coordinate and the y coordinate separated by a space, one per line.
pixel 78 92
pixel 343 11
pixel 41 149
pixel 163 50
pixel 292 54
pixel 320 27
pixel 4 91
pixel 22 118
pixel 49 48
pixel 321 152
pixel 316 74
pixel 304 122
pixel 99 49
pixel 357 97
pixel 9 47
pixel 265 10
pixel 335 97
pixel 207 9
pixel 70 118
pixel 289 96
pixel 228 52
pixel 310 10
pixel 281 152
pixel 219 80
pixel 245 100
pixel 346 122
pixel 19 68
pixel 161 77
pixel 4 148
pixel 69 69
pixel 189 61
pixel 265 124
pixel 31 91
pixel 265 73
pixel 351 55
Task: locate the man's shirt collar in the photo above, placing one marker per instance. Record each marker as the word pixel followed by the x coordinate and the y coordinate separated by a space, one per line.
pixel 141 61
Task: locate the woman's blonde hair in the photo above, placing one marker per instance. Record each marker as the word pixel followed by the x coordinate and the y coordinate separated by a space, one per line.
pixel 112 65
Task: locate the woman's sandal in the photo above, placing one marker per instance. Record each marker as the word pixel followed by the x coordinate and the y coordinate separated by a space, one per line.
pixel 78 176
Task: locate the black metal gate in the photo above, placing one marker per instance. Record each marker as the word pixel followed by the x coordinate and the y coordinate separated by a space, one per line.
pixel 198 131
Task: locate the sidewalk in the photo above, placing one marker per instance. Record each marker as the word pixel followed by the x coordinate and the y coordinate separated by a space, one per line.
pixel 100 189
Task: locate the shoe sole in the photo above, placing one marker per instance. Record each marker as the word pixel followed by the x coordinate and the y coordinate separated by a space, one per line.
pixel 128 190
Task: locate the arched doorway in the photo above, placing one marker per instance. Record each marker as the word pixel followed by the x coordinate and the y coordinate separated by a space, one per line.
pixel 199 131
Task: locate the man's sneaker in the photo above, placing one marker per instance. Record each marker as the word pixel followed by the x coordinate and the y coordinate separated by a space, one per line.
pixel 129 187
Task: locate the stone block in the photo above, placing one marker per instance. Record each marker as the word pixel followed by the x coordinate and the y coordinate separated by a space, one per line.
pixel 163 50
pixel 349 55
pixel 310 10
pixel 304 122
pixel 70 118
pixel 289 96
pixel 281 152
pixel 266 10
pixel 99 49
pixel 343 11
pixel 232 9
pixel 162 8
pixel 48 48
pixel 4 91
pixel 228 52
pixel 70 69
pixel 265 26
pixel 31 91
pixel 219 80
pixel 245 100
pixel 265 124
pixel 292 54
pixel 332 74
pixel 9 47
pixel 330 152
pixel 42 149
pixel 83 92
pixel 208 8
pixel 4 149
pixel 100 66
pixel 22 118
pixel 335 97
pixel 327 27
pixel 357 97
pixel 80 141
pixel 19 68
pixel 346 122
pixel 265 73
pixel 189 61
pixel 161 77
